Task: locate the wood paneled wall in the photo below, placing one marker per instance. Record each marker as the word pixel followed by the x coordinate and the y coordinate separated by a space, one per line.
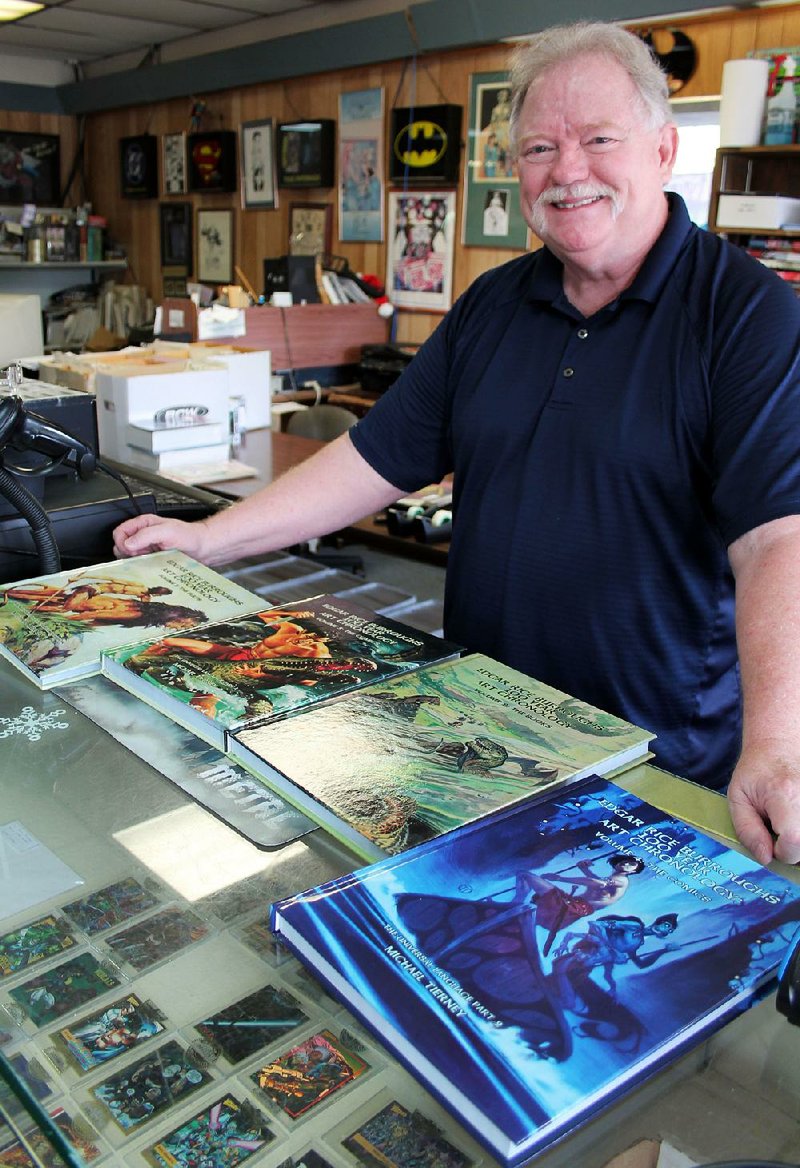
pixel 135 224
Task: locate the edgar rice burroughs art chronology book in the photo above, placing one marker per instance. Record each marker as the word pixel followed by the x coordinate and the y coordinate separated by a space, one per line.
pixel 268 664
pixel 407 759
pixel 532 966
pixel 54 627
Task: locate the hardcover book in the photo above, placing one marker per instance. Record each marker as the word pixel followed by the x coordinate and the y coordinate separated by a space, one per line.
pixel 54 627
pixel 269 663
pixel 533 966
pixel 402 761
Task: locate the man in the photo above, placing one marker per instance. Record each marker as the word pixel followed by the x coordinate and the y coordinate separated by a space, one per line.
pixel 621 413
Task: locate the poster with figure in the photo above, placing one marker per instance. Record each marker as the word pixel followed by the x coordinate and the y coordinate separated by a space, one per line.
pixel 361 166
pixel 420 252
pixel 492 215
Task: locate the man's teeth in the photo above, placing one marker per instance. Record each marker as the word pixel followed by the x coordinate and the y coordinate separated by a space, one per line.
pixel 579 202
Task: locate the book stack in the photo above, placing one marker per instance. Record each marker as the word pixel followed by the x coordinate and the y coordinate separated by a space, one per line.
pixel 781 254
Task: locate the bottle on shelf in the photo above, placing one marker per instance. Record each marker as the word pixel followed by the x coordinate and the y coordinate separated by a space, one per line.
pixel 782 107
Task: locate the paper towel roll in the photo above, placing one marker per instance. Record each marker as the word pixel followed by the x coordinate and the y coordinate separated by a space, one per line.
pixel 744 95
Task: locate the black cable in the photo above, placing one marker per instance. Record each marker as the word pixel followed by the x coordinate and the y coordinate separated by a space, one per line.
pixel 37 518
pixel 120 479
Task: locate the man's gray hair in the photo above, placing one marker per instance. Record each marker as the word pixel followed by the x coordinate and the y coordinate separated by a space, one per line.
pixel 564 42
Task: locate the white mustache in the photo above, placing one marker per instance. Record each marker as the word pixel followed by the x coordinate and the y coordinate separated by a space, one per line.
pixel 580 191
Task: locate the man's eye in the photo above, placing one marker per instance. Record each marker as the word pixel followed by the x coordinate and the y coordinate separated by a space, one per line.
pixel 536 151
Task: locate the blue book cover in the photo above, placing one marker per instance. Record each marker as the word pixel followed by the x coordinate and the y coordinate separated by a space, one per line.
pixel 531 967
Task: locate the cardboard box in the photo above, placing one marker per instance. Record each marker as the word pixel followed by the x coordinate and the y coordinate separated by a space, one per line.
pixel 249 369
pixel 757 212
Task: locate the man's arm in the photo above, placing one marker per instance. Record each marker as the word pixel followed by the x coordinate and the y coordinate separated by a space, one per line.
pixel 334 487
pixel 764 793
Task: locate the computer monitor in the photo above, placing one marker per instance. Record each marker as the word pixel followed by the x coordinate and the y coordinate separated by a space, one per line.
pixel 21 333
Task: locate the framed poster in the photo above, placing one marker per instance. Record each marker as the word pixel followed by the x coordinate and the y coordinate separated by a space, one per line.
pixel 30 168
pixel 492 215
pixel 173 164
pixel 361 166
pixel 176 236
pixel 215 247
pixel 305 153
pixel 212 161
pixel 138 160
pixel 420 253
pixel 258 164
pixel 309 228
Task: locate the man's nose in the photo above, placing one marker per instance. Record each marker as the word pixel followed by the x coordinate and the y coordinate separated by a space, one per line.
pixel 570 165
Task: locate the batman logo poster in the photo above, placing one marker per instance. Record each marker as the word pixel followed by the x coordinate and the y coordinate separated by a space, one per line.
pixel 426 144
pixel 421 144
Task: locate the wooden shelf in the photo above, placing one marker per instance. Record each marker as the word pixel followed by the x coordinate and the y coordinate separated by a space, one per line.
pixel 770 170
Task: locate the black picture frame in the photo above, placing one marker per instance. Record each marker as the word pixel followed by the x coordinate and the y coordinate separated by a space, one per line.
pixel 138 162
pixel 212 161
pixel 306 153
pixel 31 169
pixel 176 237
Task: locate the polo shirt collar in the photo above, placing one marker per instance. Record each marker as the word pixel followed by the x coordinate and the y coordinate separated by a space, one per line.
pixel 547 281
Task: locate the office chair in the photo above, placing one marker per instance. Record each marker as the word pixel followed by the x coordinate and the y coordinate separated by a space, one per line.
pixel 325 422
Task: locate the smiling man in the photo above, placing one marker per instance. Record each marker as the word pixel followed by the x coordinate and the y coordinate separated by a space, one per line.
pixel 621 411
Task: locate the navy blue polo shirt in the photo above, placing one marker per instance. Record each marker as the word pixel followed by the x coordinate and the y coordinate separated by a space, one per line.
pixel 602 467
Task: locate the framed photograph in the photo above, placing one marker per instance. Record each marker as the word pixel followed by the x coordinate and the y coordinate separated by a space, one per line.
pixel 176 236
pixel 212 161
pixel 309 228
pixel 258 164
pixel 215 247
pixel 30 168
pixel 492 215
pixel 138 160
pixel 306 153
pixel 420 253
pixel 173 164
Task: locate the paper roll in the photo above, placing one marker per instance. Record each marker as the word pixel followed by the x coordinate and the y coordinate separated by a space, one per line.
pixel 744 95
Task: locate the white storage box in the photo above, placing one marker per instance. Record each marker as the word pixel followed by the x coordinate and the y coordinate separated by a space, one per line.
pixel 758 212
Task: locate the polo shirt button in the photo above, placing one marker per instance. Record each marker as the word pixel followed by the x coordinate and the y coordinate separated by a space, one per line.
pixel 583 334
pixel 568 372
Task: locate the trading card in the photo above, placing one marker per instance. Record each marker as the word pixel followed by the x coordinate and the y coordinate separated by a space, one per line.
pixel 65 987
pixel 32 1073
pixel 261 939
pixel 396 1137
pixel 96 1039
pixel 157 937
pixel 76 1132
pixel 46 937
pixel 252 1023
pixel 306 1074
pixel 151 1085
pixel 221 1136
pixel 110 906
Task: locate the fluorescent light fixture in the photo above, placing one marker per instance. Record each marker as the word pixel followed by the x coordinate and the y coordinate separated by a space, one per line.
pixel 14 9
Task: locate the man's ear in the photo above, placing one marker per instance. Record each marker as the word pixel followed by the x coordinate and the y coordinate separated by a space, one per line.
pixel 668 149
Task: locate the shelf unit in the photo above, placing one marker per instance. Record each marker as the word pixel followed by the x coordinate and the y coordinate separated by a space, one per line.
pixel 772 170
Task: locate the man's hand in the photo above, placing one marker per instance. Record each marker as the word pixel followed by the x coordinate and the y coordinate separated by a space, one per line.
pixel 156 533
pixel 764 800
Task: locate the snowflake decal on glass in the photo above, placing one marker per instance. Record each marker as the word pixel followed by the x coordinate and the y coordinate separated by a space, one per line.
pixel 32 724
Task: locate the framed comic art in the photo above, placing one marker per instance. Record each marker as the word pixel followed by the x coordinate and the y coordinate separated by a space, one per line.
pixel 492 215
pixel 305 153
pixel 361 165
pixel 173 164
pixel 215 247
pixel 138 161
pixel 30 168
pixel 420 249
pixel 309 228
pixel 256 150
pixel 212 161
pixel 176 237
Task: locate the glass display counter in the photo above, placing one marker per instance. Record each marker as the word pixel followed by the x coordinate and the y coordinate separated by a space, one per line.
pixel 148 1017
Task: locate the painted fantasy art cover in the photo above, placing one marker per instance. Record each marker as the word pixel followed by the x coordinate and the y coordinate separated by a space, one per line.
pixel 54 627
pixel 407 759
pixel 270 663
pixel 531 967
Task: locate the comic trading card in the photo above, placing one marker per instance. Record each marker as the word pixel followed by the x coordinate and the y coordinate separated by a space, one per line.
pixel 110 906
pixel 304 1075
pixel 252 1023
pixel 150 1086
pixel 395 1137
pixel 32 1073
pixel 222 1135
pixel 56 992
pixel 157 937
pixel 76 1131
pixel 46 937
pixel 97 1038
pixel 259 937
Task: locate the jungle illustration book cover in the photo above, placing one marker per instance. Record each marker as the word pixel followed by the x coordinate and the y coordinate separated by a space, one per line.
pixel 531 967
pixel 404 760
